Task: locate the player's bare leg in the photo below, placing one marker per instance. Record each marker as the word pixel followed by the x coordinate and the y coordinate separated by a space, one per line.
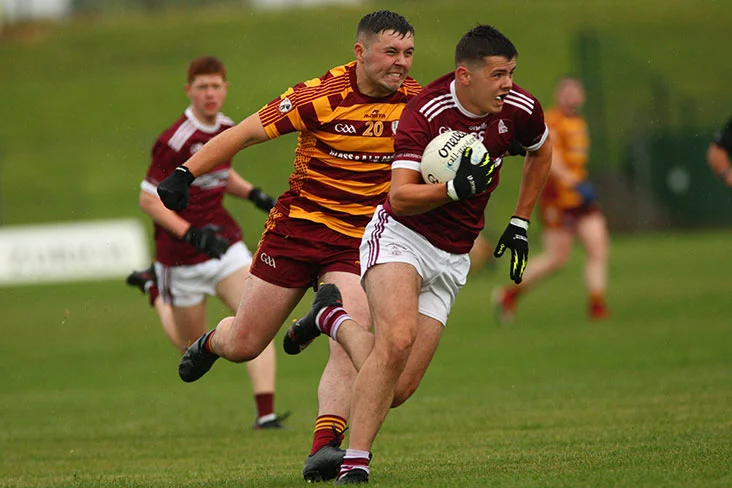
pixel 190 322
pixel 592 232
pixel 147 282
pixel 264 307
pixel 262 370
pixel 557 251
pixel 395 329
pixel 262 310
pixel 167 321
pixel 335 387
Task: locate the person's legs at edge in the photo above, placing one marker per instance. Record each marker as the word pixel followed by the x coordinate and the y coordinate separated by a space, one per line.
pixel 592 232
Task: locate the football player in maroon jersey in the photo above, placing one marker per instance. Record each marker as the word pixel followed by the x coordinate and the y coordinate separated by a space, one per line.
pixel 414 253
pixel 199 250
pixel 346 120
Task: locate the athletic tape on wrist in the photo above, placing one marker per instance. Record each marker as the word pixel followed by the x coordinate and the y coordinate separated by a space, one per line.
pixel 451 191
pixel 519 222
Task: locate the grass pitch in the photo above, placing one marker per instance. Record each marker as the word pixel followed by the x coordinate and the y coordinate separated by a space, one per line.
pixel 89 394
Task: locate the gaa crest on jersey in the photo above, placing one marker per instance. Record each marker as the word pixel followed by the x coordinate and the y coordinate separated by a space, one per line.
pixel 285 105
pixel 196 147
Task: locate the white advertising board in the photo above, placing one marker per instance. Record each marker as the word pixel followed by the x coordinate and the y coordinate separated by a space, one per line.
pixel 71 251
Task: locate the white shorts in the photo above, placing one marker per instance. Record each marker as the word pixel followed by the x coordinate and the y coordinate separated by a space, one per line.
pixel 443 274
pixel 185 286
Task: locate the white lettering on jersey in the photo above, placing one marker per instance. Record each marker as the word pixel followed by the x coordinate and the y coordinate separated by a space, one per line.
pixel 215 179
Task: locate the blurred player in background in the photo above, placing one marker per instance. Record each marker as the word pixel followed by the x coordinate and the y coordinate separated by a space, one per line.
pixel 346 121
pixel 414 253
pixel 568 208
pixel 199 250
pixel 719 154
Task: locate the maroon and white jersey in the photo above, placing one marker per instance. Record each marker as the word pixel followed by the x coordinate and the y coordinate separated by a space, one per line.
pixel 173 148
pixel 454 226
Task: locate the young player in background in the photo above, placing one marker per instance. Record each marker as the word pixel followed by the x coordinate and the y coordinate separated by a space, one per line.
pixel 414 253
pixel 199 250
pixel 568 209
pixel 346 121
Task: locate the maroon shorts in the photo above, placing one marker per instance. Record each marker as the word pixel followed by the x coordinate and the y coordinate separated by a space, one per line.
pixel 294 253
pixel 553 217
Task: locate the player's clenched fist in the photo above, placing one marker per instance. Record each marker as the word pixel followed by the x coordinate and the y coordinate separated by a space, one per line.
pixel 515 238
pixel 471 179
pixel 173 190
pixel 207 240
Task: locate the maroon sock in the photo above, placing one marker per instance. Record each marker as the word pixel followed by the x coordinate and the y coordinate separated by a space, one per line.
pixel 153 294
pixel 265 404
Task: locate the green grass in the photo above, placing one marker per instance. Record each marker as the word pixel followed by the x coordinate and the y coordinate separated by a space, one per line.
pixel 89 395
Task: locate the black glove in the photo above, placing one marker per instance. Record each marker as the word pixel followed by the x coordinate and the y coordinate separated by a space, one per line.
pixel 586 191
pixel 470 179
pixel 514 238
pixel 261 200
pixel 173 190
pixel 206 239
pixel 516 149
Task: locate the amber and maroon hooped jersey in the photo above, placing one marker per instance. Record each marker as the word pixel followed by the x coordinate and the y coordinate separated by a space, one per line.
pixel 454 226
pixel 173 148
pixel 345 148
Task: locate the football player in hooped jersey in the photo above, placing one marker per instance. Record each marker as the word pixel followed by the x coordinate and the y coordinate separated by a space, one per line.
pixel 199 250
pixel 346 121
pixel 568 209
pixel 414 251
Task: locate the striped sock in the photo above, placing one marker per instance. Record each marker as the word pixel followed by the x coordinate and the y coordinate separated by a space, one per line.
pixel 208 347
pixel 355 459
pixel 329 319
pixel 328 429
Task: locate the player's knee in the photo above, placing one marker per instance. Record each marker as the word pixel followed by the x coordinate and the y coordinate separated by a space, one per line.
pixel 403 393
pixel 243 351
pixel 396 351
pixel 559 260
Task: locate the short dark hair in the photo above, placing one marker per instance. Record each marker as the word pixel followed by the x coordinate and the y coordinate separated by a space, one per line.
pixel 206 65
pixel 482 41
pixel 384 20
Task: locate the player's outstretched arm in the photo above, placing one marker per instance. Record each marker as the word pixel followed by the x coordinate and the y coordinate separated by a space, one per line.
pixel 173 190
pixel 224 146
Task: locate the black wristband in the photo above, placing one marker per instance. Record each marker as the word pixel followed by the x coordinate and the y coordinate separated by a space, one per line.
pixel 255 194
pixel 187 175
